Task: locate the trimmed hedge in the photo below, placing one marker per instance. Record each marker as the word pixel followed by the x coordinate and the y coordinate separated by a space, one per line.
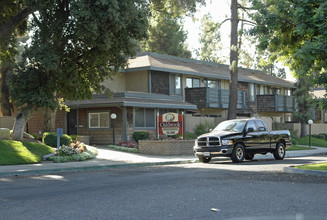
pixel 141 135
pixel 50 138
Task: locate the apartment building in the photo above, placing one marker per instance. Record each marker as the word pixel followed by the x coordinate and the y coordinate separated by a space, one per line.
pixel 154 84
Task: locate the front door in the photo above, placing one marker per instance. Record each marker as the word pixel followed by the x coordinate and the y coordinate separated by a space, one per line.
pixel 72 122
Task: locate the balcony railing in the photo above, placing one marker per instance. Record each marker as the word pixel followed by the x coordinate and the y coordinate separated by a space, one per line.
pixel 276 103
pixel 213 97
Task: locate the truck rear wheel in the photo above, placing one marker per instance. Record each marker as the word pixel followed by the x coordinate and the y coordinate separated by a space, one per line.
pixel 204 159
pixel 238 153
pixel 279 152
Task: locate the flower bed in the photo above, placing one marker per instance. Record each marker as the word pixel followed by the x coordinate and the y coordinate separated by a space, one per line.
pixel 75 151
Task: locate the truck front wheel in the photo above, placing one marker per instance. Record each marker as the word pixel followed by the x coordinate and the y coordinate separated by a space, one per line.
pixel 204 159
pixel 238 153
pixel 279 152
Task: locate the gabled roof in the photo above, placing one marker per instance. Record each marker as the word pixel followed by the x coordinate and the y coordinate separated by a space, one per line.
pixel 172 64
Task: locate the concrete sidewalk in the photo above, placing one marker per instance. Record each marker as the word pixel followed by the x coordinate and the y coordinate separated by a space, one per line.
pixel 112 159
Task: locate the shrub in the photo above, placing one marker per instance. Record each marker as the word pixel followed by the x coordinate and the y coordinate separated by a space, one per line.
pixel 203 128
pixel 50 138
pixel 190 136
pixel 141 135
pixel 319 136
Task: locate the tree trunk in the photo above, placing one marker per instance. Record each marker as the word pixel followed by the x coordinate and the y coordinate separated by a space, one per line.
pixel 303 129
pixel 7 28
pixel 233 63
pixel 19 125
pixel 49 120
pixel 6 105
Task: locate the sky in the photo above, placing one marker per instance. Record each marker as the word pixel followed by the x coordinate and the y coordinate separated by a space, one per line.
pixel 219 11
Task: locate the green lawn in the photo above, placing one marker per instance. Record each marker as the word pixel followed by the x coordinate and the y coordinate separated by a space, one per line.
pixel 16 152
pixel 318 166
pixel 295 147
pixel 314 141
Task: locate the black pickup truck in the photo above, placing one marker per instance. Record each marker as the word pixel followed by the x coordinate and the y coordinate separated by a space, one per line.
pixel 241 139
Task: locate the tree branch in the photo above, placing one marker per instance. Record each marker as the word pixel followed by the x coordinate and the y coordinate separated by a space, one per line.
pixel 244 8
pixel 227 19
pixel 247 21
pixel 8 27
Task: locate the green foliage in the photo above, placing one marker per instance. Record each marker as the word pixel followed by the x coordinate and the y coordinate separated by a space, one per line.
pixel 203 128
pixel 318 166
pixel 295 147
pixel 141 135
pixel 314 141
pixel 50 138
pixel 190 136
pixel 124 149
pixel 87 39
pixel 295 31
pixel 166 35
pixel 210 40
pixel 16 152
pixel 177 7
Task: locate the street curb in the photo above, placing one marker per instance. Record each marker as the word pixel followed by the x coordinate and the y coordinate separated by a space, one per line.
pixel 92 168
pixel 293 170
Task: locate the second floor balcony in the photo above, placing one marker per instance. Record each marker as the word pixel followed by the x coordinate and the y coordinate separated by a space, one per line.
pixel 276 103
pixel 219 98
pixel 205 97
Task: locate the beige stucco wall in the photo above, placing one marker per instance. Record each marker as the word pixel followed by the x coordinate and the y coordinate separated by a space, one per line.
pixel 117 83
pixel 137 81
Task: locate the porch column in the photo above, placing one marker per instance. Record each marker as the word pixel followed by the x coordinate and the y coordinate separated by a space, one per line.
pixel 124 124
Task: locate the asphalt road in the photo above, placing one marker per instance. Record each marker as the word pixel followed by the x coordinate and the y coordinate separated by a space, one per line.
pixel 219 190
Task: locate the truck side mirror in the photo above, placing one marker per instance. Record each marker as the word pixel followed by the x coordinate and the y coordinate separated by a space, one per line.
pixel 250 130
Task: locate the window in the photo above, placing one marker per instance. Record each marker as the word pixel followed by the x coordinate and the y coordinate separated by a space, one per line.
pixel 144 118
pixel 211 83
pixel 251 91
pixel 192 82
pixel 98 120
pixel 287 92
pixel 250 124
pixel 276 91
pixel 260 90
pixel 175 84
pixel 260 125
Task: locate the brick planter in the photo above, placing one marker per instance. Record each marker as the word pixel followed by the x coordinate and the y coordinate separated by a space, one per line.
pixel 166 147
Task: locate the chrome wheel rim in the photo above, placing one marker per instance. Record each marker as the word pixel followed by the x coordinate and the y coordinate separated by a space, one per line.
pixel 281 151
pixel 239 153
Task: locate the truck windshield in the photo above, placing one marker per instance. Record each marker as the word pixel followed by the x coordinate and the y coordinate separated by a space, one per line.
pixel 232 125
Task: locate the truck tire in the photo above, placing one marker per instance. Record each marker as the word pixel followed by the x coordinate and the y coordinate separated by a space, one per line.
pixel 249 157
pixel 238 153
pixel 204 159
pixel 279 152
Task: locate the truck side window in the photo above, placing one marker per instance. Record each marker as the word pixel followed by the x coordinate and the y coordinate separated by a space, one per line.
pixel 250 124
pixel 260 125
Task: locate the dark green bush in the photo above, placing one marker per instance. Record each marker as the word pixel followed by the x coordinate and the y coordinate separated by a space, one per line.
pixel 203 128
pixel 141 135
pixel 319 136
pixel 50 138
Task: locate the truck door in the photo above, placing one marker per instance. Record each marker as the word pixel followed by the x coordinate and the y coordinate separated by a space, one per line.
pixel 252 139
pixel 264 135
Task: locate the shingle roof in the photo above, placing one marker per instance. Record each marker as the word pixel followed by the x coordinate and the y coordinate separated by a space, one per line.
pixel 160 62
pixel 132 100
